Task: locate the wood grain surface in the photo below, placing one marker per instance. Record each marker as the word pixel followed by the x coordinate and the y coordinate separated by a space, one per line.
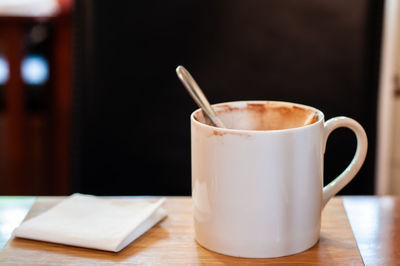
pixel 172 242
pixel 376 226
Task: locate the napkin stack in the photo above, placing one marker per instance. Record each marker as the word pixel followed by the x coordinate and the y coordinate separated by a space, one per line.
pixel 93 222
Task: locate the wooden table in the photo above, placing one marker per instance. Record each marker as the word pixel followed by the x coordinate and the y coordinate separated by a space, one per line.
pixel 355 230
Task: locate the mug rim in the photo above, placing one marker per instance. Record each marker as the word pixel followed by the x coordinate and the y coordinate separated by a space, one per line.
pixel 320 114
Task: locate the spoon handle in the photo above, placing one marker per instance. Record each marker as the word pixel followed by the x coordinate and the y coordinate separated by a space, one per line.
pixel 198 96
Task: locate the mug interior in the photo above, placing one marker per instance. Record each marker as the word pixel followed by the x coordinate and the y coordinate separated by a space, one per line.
pixel 262 115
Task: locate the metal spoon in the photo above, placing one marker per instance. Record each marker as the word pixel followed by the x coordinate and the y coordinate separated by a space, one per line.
pixel 198 96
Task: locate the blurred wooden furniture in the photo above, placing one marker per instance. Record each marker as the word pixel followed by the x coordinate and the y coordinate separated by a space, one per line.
pixel 17 179
pixel 12 34
pixel 369 234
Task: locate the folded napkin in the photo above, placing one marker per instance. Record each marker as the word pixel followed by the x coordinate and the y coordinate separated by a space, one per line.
pixel 93 222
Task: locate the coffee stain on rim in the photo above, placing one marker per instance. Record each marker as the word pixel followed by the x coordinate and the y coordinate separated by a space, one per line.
pixel 263 113
pixel 226 108
pixel 313 120
pixel 289 113
pixel 199 117
pixel 264 107
pixel 221 132
pixel 257 107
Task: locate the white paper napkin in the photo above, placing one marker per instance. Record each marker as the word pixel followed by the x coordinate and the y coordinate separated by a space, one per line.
pixel 93 222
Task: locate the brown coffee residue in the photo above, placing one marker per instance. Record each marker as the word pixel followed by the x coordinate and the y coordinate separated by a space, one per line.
pixel 226 108
pixel 311 120
pixel 223 132
pixel 276 116
pixel 218 133
pixel 256 107
pixel 261 116
pixel 263 108
pixel 199 116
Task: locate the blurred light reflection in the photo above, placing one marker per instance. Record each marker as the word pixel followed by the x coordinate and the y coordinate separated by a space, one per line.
pixel 4 70
pixel 35 70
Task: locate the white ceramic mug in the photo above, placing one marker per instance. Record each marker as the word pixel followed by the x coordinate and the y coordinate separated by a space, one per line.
pixel 260 193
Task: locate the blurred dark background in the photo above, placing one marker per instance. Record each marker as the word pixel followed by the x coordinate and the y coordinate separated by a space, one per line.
pixel 123 124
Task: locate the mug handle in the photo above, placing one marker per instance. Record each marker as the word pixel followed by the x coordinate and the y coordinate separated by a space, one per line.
pixel 349 173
